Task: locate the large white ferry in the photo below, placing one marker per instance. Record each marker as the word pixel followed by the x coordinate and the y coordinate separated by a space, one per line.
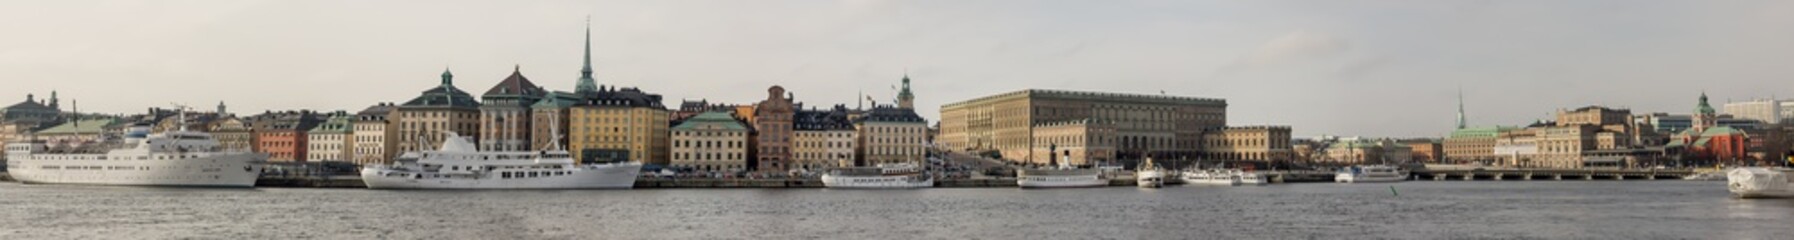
pixel 900 175
pixel 1211 177
pixel 1370 173
pixel 1759 182
pixel 1063 176
pixel 458 164
pixel 174 159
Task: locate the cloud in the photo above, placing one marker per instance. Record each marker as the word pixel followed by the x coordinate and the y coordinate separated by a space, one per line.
pixel 1293 46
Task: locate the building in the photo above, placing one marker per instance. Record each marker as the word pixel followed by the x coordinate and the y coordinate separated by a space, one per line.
pixel 505 122
pixel 423 121
pixel 906 99
pixel 549 127
pixel 823 139
pixel 712 142
pixel 772 130
pixel 18 121
pixel 234 133
pixel 76 133
pixel 1426 151
pixel 1076 142
pixel 1517 148
pixel 616 125
pixel 1473 145
pixel 283 136
pixel 1159 125
pixel 373 134
pixel 331 140
pixel 1358 151
pixel 891 135
pixel 1711 144
pixel 1764 110
pixel 1666 124
pixel 1563 146
pixel 1251 143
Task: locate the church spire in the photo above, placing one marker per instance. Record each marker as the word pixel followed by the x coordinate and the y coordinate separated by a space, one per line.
pixel 1461 108
pixel 905 99
pixel 447 78
pixel 586 85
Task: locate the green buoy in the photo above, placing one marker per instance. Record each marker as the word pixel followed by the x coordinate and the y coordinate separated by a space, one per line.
pixel 1392 191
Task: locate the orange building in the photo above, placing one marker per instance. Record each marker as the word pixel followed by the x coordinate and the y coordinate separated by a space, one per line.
pixel 282 135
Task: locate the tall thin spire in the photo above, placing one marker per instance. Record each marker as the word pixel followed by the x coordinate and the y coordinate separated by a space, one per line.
pixel 586 85
pixel 1461 108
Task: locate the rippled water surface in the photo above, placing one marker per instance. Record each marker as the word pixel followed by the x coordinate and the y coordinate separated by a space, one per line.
pixel 1422 210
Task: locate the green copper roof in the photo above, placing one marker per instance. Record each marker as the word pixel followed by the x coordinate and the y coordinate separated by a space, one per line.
pixel 1703 108
pixel 87 126
pixel 557 100
pixel 338 124
pixel 1479 132
pixel 719 119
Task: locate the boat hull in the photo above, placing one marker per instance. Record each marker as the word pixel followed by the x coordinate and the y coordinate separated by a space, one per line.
pixel 1754 182
pixel 875 182
pixel 1353 178
pixel 610 176
pixel 1254 180
pixel 231 170
pixel 1149 179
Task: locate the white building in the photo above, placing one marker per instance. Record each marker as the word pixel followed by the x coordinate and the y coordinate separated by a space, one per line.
pixel 891 135
pixel 712 141
pixel 329 141
pixel 1768 111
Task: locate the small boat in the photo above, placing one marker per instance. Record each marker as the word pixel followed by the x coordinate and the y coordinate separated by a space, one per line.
pixel 458 164
pixel 1369 173
pixel 1251 178
pixel 1760 182
pixel 1149 175
pixel 899 175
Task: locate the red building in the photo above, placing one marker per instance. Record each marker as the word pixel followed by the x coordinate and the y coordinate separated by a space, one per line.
pixel 282 135
pixel 1714 144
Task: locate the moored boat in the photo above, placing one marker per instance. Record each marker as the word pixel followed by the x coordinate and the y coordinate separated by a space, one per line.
pixel 1759 182
pixel 1369 173
pixel 459 165
pixel 178 158
pixel 1218 177
pixel 884 176
pixel 1149 175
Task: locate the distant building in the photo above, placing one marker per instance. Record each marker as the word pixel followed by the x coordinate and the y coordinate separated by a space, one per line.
pixel 234 133
pixel 18 121
pixel 891 135
pixel 905 98
pixel 1079 142
pixel 283 136
pixel 1473 145
pixel 1707 141
pixel 1249 143
pixel 505 122
pixel 424 121
pixel 1763 110
pixel 823 139
pixel 331 140
pixel 374 135
pixel 1355 151
pixel 772 129
pixel 77 133
pixel 712 141
pixel 1157 125
pixel 1517 147
pixel 1425 151
pixel 549 127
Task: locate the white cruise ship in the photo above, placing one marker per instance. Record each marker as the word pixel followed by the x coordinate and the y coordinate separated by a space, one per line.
pixel 901 175
pixel 1759 182
pixel 1371 173
pixel 458 164
pixel 173 159
pixel 1064 176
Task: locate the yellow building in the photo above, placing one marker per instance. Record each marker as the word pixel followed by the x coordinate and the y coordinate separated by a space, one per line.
pixel 1080 142
pixel 619 125
pixel 824 139
pixel 423 121
pixel 1159 125
pixel 1250 143
pixel 712 142
pixel 891 135
pixel 373 135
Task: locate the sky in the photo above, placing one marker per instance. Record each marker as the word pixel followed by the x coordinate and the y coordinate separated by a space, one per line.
pixel 1351 68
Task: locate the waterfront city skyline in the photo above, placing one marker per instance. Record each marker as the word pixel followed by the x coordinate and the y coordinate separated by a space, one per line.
pixel 1323 68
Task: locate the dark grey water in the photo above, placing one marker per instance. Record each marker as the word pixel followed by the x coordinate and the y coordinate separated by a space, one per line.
pixel 1424 210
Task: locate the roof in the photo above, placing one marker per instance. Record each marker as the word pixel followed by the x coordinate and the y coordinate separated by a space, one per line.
pixel 557 100
pixel 891 114
pixel 723 120
pixel 443 96
pixel 85 126
pixel 338 124
pixel 515 86
pixel 623 97
pixel 1480 131
pixel 375 113
pixel 816 120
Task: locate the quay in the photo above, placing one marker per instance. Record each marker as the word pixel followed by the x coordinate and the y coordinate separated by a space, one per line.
pixel 1548 174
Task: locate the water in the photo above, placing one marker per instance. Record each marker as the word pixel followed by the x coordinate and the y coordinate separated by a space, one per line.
pixel 1423 210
